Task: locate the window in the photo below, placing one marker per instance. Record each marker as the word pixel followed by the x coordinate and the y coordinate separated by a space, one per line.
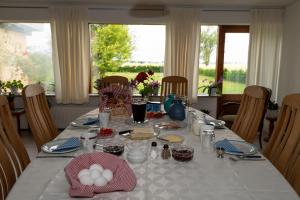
pixel 232 64
pixel 125 50
pixel 26 53
pixel 208 53
pixel 223 58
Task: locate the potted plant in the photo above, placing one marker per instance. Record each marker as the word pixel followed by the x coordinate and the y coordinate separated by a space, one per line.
pixel 213 88
pixel 2 87
pixel 14 86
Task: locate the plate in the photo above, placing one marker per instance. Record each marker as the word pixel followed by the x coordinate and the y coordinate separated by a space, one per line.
pixel 80 124
pixel 91 130
pixel 218 124
pixel 171 138
pixel 49 147
pixel 131 122
pixel 170 125
pixel 245 147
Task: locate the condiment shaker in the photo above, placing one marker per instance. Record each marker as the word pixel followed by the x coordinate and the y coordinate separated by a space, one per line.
pixel 165 154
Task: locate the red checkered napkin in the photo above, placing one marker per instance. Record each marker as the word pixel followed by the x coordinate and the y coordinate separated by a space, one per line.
pixel 123 180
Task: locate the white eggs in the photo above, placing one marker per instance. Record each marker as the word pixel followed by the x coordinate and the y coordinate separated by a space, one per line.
pixel 86 180
pixel 97 167
pixel 94 174
pixel 108 175
pixel 83 172
pixel 100 181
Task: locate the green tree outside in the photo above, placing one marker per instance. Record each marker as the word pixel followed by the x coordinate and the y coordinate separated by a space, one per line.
pixel 111 46
pixel 208 43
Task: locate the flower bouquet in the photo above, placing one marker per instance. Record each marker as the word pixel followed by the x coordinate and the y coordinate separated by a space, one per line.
pixel 145 83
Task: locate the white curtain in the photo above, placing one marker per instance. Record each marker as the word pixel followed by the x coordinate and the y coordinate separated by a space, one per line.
pixel 265 49
pixel 70 40
pixel 182 48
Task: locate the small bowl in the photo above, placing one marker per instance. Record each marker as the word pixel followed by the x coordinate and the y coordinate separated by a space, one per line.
pixel 114 148
pixel 182 153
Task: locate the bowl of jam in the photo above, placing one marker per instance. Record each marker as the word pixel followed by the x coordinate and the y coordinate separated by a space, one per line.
pixel 182 153
pixel 114 148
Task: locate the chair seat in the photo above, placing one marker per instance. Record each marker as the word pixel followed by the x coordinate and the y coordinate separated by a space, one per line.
pixel 228 119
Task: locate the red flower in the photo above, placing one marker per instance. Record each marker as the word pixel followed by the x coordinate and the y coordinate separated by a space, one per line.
pixel 141 77
pixel 150 72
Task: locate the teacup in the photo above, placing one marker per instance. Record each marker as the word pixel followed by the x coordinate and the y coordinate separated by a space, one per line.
pixel 88 140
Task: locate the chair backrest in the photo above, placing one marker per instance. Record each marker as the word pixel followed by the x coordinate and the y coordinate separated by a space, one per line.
pixel 38 114
pixel 8 165
pixel 12 134
pixel 251 112
pixel 283 149
pixel 173 84
pixel 120 81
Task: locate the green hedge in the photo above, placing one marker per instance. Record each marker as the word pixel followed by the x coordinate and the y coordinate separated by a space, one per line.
pixel 229 75
pixel 139 68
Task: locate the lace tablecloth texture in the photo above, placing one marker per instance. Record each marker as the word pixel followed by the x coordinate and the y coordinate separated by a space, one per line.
pixel 205 177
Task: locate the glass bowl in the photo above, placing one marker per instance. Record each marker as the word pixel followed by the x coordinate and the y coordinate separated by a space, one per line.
pixel 115 148
pixel 182 153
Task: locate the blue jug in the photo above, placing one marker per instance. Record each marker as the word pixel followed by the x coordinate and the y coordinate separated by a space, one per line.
pixel 177 110
pixel 168 102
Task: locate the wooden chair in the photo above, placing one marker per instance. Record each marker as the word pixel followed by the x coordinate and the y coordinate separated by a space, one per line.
pixel 114 80
pixel 173 84
pixel 12 134
pixel 7 172
pixel 251 112
pixel 38 115
pixel 283 149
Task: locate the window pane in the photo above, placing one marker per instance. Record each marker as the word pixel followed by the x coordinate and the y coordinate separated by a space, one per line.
pixel 26 53
pixel 208 49
pixel 235 62
pixel 126 50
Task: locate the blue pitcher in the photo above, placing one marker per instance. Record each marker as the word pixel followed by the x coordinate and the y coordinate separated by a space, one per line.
pixel 168 102
pixel 177 110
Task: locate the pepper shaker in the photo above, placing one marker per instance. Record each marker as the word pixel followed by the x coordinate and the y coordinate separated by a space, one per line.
pixel 165 154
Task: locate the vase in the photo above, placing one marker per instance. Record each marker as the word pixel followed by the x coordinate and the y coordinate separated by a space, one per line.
pixel 168 102
pixel 177 110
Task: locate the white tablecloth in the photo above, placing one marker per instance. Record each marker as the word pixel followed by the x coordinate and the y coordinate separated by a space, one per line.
pixel 205 177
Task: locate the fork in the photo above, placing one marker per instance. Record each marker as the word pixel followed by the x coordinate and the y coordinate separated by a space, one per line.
pixel 257 158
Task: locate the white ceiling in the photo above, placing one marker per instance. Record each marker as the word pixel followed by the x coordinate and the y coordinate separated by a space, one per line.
pixel 200 3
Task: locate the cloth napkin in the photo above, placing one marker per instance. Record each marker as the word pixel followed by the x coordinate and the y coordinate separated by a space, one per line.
pixel 124 178
pixel 70 143
pixel 228 147
pixel 91 121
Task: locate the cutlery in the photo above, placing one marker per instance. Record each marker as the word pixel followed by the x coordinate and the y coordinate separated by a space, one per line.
pixel 56 156
pixel 253 158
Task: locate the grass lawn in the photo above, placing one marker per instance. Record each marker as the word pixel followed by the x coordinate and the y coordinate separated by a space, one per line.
pixel 229 87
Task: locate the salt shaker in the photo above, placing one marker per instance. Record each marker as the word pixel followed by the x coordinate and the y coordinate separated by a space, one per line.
pixel 165 154
pixel 153 151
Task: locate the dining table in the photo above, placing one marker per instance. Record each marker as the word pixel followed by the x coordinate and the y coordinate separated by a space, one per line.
pixel 206 176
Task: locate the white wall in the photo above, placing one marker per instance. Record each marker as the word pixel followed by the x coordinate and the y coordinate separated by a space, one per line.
pixel 289 80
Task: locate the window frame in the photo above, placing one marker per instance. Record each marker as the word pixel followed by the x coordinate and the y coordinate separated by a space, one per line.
pixel 223 29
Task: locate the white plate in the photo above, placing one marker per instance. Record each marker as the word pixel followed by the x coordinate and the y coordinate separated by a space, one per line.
pixel 245 147
pixel 218 124
pixel 80 124
pixel 170 125
pixel 49 147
